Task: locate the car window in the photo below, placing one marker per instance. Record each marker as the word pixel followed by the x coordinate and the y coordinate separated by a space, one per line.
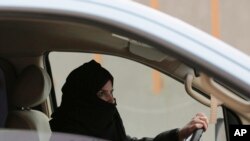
pixel 149 102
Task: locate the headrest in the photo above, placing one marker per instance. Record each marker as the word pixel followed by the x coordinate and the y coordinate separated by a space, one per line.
pixel 32 87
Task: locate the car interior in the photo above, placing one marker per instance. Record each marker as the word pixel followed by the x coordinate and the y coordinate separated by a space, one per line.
pixel 31 89
pixel 27 90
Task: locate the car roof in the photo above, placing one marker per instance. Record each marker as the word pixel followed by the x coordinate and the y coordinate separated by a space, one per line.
pixel 41 26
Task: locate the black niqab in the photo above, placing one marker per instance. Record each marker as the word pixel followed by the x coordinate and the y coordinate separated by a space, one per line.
pixel 81 111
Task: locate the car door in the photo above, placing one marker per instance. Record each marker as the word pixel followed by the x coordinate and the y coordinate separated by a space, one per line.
pixel 123 29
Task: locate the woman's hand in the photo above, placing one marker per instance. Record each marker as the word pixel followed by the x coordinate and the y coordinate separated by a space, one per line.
pixel 199 121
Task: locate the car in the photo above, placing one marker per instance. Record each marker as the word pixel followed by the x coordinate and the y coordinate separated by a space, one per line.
pixel 165 70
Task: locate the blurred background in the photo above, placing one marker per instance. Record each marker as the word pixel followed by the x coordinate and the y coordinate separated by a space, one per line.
pixel 228 20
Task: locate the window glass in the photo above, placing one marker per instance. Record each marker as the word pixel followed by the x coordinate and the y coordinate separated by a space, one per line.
pixel 149 102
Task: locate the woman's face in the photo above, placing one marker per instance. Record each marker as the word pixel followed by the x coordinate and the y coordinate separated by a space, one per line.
pixel 106 92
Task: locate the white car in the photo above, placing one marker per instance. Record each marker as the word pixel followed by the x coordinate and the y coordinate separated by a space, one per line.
pixel 128 39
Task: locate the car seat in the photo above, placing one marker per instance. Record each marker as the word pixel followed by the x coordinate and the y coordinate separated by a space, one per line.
pixel 31 89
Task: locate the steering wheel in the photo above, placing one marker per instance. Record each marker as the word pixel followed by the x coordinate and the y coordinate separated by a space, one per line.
pixel 197 134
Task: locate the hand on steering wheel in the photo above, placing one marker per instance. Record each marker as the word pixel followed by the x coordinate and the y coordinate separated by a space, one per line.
pixel 197 122
pixel 197 134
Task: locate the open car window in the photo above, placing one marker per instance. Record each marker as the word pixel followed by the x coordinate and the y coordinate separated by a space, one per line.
pixel 149 101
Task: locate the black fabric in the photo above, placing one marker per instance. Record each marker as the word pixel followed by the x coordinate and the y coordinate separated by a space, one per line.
pixel 82 112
